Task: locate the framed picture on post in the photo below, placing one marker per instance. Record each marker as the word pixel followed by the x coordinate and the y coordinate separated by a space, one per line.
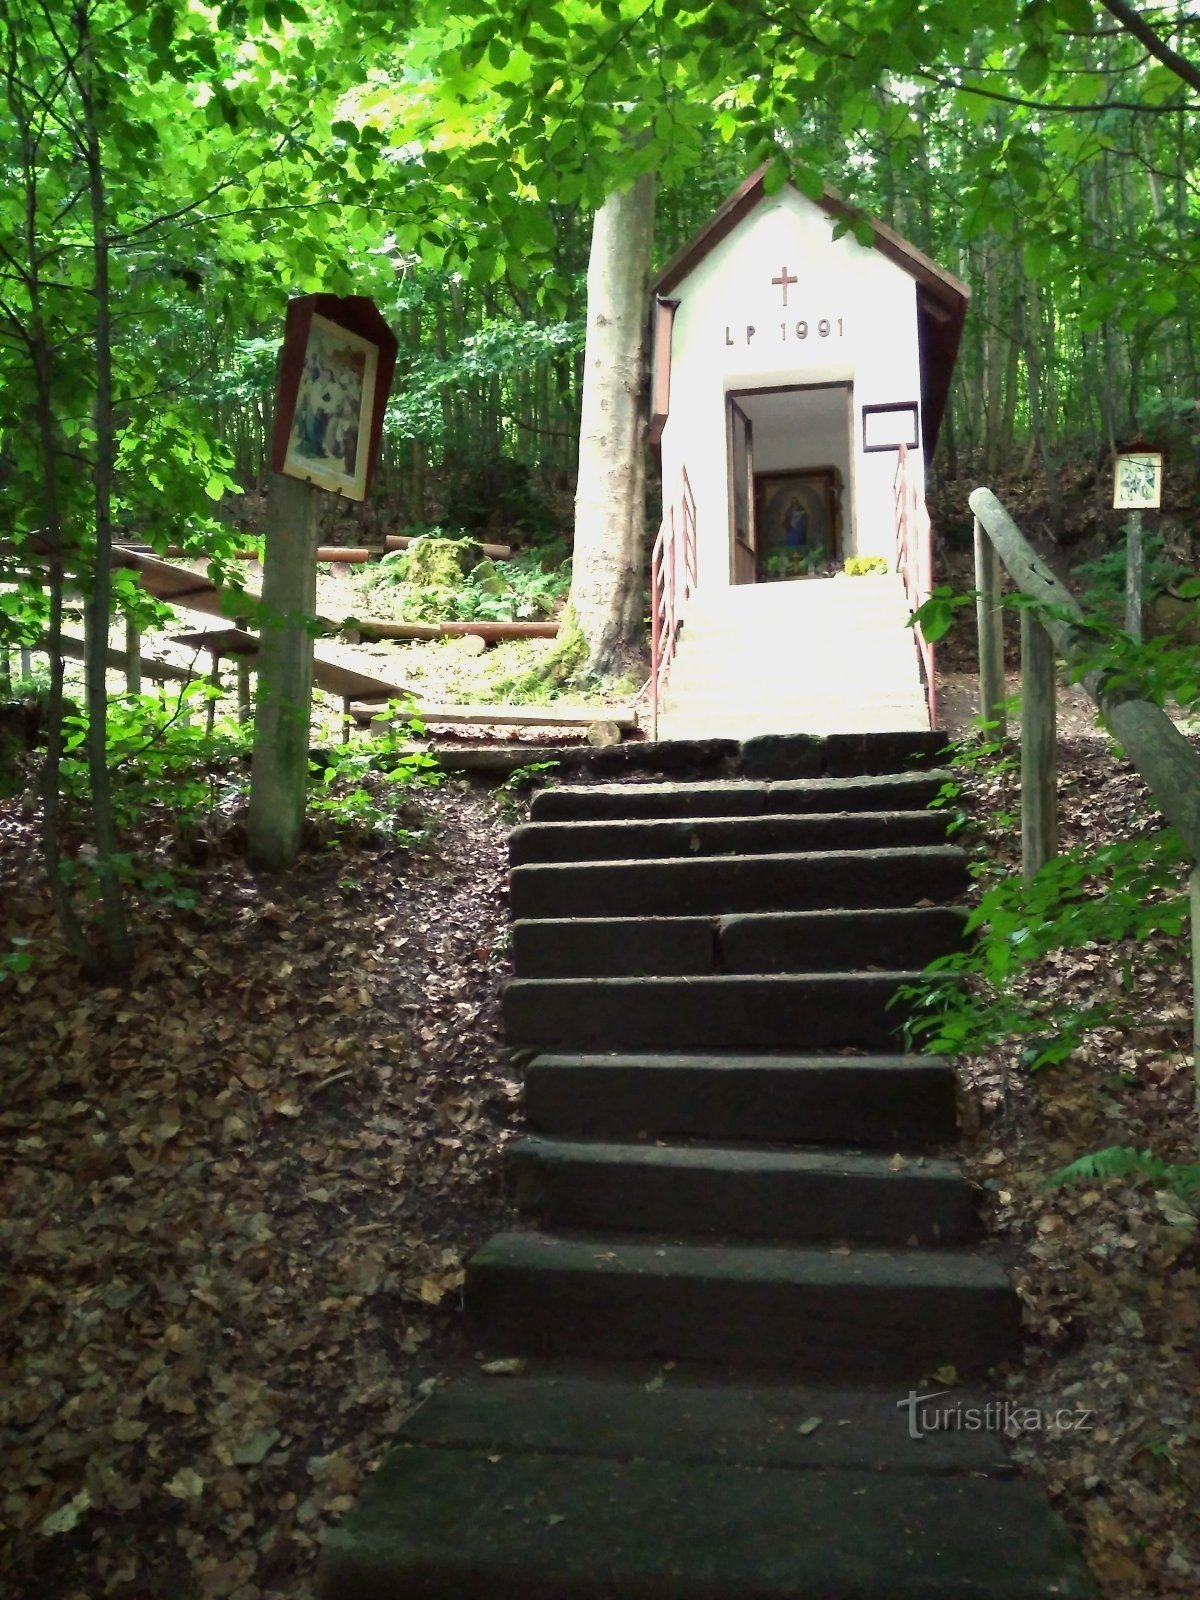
pixel 1137 481
pixel 335 371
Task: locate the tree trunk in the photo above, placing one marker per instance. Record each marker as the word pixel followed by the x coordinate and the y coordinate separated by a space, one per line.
pixel 119 947
pixel 609 509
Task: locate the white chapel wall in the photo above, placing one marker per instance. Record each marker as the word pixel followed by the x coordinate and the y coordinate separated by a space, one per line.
pixel 858 312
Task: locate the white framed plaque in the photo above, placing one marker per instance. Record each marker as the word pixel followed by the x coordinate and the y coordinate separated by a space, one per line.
pixel 1137 481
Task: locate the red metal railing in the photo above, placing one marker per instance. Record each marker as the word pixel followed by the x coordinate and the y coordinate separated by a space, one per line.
pixel 914 561
pixel 672 579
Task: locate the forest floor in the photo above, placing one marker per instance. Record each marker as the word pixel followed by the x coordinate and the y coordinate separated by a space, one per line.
pixel 239 1193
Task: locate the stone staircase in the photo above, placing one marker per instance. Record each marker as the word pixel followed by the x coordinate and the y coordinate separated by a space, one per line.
pixel 815 655
pixel 747 1243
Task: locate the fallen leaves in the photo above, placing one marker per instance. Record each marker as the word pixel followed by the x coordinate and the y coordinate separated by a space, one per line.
pixel 1108 1274
pixel 238 1199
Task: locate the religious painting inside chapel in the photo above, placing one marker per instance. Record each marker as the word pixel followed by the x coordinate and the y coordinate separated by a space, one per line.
pixel 790 459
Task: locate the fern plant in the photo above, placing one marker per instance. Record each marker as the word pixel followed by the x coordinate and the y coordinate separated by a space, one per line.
pixel 1122 1162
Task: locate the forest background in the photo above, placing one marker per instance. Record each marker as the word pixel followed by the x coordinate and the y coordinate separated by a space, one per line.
pixel 174 172
pixel 280 1060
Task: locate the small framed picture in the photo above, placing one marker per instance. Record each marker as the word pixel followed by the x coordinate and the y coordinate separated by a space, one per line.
pixel 1137 481
pixel 887 427
pixel 335 371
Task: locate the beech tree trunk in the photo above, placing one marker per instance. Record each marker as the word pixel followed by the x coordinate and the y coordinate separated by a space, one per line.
pixel 610 497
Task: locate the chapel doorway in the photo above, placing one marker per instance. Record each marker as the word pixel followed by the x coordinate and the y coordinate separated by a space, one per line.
pixel 791 504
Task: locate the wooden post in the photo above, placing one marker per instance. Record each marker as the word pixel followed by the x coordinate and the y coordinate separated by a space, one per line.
pixel 989 619
pixel 1039 814
pixel 26 664
pixel 1135 575
pixel 243 681
pixel 283 704
pixel 214 683
pixel 133 657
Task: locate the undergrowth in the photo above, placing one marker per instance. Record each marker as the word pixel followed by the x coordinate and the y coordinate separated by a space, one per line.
pixel 1114 898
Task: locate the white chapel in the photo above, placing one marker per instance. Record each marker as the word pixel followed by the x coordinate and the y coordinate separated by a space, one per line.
pixel 801 374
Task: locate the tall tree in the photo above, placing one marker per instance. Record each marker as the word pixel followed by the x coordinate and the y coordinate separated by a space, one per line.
pixel 610 500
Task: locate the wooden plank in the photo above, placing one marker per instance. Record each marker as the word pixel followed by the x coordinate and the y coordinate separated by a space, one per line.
pixel 118 661
pixel 352 555
pixel 331 676
pixel 989 618
pixel 379 628
pixel 1039 754
pixel 494 552
pixel 1160 752
pixel 501 630
pixel 623 717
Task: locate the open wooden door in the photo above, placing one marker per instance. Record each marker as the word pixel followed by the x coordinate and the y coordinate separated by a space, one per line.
pixel 742 530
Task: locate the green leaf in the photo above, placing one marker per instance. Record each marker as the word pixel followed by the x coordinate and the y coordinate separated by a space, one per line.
pixel 1033 68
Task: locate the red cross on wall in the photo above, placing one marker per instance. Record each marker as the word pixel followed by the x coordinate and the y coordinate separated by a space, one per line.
pixel 783 280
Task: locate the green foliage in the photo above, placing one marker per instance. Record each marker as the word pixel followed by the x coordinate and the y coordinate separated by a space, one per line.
pixel 936 616
pixel 17 959
pixel 513 794
pixel 1123 1164
pixel 520 590
pixel 781 564
pixel 973 999
pixel 1103 579
pixel 364 788
pixel 496 493
pixel 165 767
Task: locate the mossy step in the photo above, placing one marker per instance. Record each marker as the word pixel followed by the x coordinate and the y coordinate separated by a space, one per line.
pixel 809 1011
pixel 717 885
pixel 661 838
pixel 898 1102
pixel 763 942
pixel 868 1314
pixel 899 791
pixel 713 1190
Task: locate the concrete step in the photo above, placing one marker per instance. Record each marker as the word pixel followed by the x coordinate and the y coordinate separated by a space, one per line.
pixel 451 1523
pixel 716 885
pixel 891 1102
pixel 839 755
pixel 899 791
pixel 867 1314
pixel 702 1191
pixel 660 838
pixel 780 941
pixel 808 1011
pixel 816 722
pixel 639 1412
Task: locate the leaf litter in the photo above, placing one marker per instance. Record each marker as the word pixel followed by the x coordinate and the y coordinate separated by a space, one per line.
pixel 1108 1273
pixel 237 1199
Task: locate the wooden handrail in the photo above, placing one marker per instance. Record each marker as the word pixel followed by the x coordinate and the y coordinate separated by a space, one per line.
pixel 1167 760
pixel 1164 756
pixel 672 580
pixel 914 561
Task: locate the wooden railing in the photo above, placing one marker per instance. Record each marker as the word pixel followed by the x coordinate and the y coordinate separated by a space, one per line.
pixel 672 580
pixel 914 561
pixel 1166 759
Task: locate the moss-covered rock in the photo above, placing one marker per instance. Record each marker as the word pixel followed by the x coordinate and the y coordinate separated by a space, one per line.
pixel 440 563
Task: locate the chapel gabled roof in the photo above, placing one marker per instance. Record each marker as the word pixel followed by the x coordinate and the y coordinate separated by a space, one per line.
pixel 941 297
